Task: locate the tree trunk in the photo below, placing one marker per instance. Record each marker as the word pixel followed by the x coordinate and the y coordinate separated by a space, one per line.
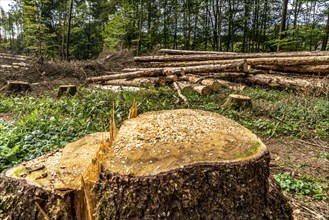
pixel 283 22
pixel 326 37
pixel 207 57
pixel 191 52
pixel 312 69
pixel 237 66
pixel 139 82
pixel 315 86
pixel 69 31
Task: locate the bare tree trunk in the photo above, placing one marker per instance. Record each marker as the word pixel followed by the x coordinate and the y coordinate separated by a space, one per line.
pixel 283 22
pixel 69 31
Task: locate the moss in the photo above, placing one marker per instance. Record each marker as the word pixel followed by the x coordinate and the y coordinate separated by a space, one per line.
pixel 19 171
pixel 254 147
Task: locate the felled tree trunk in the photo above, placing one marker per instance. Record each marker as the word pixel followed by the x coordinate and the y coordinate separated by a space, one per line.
pixel 178 164
pixel 286 82
pixel 191 52
pixel 142 82
pixel 194 88
pixel 312 69
pixel 203 57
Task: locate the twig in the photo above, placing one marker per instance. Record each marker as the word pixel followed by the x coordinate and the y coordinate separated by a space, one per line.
pixel 311 211
pixel 179 91
pixel 44 214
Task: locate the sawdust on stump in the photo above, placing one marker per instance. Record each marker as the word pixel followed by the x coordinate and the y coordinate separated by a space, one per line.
pixel 178 164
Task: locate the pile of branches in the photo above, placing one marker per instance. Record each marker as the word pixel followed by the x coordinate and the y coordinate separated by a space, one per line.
pixel 204 71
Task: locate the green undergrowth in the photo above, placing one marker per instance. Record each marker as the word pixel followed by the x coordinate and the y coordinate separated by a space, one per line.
pixel 306 186
pixel 40 124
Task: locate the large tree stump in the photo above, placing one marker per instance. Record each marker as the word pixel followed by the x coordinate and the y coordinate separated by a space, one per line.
pixel 178 164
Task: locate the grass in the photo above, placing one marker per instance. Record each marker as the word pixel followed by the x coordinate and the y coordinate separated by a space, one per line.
pixel 42 124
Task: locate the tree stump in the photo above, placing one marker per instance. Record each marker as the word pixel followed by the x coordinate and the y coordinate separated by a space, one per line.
pixel 18 86
pixel 70 90
pixel 178 164
pixel 238 102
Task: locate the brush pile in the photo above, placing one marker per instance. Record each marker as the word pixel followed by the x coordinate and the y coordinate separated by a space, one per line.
pixel 207 71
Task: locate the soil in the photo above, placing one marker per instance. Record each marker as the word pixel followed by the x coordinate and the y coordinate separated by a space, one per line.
pixel 301 158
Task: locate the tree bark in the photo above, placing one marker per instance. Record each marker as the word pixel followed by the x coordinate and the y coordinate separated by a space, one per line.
pixel 312 69
pixel 207 57
pixel 238 102
pixel 290 61
pixel 315 86
pixel 139 82
pixel 236 66
pixel 191 52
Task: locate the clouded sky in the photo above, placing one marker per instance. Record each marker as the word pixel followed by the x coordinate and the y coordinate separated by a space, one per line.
pixel 5 4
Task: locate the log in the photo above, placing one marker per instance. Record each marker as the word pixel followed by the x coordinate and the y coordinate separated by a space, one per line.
pixel 18 86
pixel 191 52
pixel 211 83
pixel 194 52
pixel 217 78
pixel 186 63
pixel 139 82
pixel 172 78
pixel 231 85
pixel 238 102
pixel 69 90
pixel 317 86
pixel 312 69
pixel 232 67
pixel 236 67
pixel 206 57
pixel 290 61
pixel 128 75
pixel 187 87
pixel 173 164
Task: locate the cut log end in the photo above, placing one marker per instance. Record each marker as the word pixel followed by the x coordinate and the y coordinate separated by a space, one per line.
pixel 238 102
pixel 70 90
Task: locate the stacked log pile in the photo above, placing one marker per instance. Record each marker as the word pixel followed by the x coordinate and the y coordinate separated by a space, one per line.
pixel 10 62
pixel 204 71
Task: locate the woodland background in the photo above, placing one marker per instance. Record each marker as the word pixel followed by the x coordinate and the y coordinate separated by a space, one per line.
pixel 82 29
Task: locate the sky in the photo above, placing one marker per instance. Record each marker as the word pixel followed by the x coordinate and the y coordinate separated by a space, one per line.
pixel 5 4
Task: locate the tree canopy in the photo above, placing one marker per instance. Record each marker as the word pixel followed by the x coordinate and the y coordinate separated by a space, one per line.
pixel 82 29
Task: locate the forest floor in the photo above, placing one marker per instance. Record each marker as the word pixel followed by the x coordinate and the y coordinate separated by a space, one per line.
pixel 293 126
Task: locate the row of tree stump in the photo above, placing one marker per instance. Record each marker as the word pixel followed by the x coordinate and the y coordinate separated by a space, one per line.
pixel 204 72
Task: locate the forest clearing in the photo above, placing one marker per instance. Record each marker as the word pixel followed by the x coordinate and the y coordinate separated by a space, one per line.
pixel 288 111
pixel 164 109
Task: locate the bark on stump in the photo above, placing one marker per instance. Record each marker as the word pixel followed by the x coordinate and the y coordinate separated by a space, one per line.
pixel 70 90
pixel 178 164
pixel 18 86
pixel 238 102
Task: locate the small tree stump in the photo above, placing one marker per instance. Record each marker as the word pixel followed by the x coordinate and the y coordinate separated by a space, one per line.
pixel 18 86
pixel 178 164
pixel 70 90
pixel 238 102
